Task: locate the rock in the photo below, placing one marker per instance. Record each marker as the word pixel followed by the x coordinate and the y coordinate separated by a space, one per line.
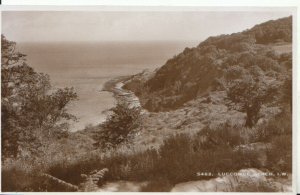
pixel 282 187
pixel 122 186
pixel 282 184
pixel 232 183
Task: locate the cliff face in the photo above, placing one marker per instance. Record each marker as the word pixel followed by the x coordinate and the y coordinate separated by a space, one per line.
pixel 195 72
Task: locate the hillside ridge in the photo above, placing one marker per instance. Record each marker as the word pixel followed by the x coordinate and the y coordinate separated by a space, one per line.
pixel 194 72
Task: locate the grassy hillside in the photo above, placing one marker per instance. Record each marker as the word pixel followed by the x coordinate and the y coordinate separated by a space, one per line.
pixel 193 73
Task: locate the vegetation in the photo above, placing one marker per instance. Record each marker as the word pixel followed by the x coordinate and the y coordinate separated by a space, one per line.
pixel 30 111
pixel 250 89
pixel 192 73
pixel 118 127
pixel 173 163
pixel 273 31
pixel 33 115
pixel 256 82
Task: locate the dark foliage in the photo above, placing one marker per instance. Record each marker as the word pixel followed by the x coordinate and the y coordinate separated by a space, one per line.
pixel 174 162
pixel 250 89
pixel 193 72
pixel 273 31
pixel 29 109
pixel 118 127
pixel 178 160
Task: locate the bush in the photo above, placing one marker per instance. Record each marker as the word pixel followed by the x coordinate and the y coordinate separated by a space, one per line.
pixel 280 155
pixel 271 31
pixel 30 108
pixel 122 166
pixel 18 180
pixel 222 135
pixel 179 159
pixel 278 132
pixel 280 125
pixel 119 126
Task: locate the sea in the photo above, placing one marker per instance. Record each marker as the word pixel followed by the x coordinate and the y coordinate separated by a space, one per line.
pixel 86 66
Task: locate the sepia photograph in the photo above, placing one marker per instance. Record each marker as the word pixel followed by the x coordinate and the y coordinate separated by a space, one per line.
pixel 149 100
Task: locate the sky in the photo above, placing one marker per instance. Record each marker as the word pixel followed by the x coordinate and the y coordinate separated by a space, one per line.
pixel 60 26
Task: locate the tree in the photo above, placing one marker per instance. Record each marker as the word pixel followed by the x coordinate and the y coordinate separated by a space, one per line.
pixel 250 89
pixel 119 125
pixel 29 106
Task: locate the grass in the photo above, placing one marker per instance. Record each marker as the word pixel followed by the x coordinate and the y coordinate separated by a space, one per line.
pixel 178 160
pixel 280 156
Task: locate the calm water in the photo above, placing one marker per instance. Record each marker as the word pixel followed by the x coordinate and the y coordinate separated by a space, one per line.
pixel 87 66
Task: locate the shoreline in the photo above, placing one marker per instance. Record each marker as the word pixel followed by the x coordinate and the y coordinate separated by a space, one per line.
pixel 110 84
pixel 120 95
pixel 115 86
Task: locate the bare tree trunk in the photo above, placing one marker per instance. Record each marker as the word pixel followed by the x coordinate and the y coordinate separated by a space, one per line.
pixel 249 120
pixel 252 112
pixel 61 182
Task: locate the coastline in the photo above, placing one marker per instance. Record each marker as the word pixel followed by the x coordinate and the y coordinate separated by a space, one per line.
pixel 115 86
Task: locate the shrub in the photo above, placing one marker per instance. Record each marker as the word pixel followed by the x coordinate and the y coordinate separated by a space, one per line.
pixel 30 108
pixel 250 90
pixel 179 159
pixel 280 155
pixel 118 127
pixel 222 135
pixel 280 125
pixel 17 179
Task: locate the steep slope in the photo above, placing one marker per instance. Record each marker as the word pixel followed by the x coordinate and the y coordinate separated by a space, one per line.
pixel 196 71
